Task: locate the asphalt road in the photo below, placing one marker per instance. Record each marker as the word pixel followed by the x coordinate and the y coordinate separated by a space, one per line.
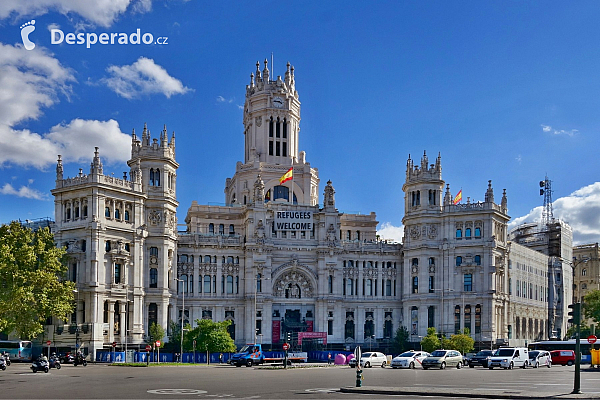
pixel 199 382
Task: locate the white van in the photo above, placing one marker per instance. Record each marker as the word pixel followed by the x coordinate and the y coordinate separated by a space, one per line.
pixel 509 358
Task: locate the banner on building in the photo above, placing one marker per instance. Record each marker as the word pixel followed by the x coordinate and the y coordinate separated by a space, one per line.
pixel 293 220
pixel 312 335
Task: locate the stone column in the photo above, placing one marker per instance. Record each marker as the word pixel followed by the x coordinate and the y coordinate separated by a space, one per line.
pixel 111 321
pixel 122 324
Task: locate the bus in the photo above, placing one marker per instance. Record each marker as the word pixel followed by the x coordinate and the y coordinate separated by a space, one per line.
pixel 19 350
pixel 549 345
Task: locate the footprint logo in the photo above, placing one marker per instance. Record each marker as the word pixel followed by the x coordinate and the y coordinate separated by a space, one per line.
pixel 26 29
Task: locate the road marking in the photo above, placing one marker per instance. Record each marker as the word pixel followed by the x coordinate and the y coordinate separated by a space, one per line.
pixel 176 391
pixel 322 390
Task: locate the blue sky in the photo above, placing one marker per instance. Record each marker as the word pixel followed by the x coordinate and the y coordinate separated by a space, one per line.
pixel 506 91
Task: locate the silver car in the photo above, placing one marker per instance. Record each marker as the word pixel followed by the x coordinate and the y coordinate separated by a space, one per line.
pixel 442 359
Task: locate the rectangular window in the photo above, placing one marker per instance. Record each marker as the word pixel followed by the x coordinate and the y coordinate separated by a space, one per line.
pixel 284 149
pixel 468 282
pixel 117 273
pixel 388 287
pixel 277 148
pixel 431 284
pixel 330 327
pixel 330 283
pixel 270 147
pixel 415 284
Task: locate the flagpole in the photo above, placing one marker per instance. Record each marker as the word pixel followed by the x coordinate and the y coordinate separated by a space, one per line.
pixel 292 182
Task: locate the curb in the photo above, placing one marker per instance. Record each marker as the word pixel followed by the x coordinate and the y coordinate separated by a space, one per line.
pixel 461 393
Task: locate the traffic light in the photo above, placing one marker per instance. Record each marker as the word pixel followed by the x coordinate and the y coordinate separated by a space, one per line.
pixel 575 313
pixel 289 337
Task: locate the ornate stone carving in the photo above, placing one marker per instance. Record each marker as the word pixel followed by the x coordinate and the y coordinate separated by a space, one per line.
pixel 293 284
pixel 432 232
pixel 258 121
pixel 154 217
pixel 415 232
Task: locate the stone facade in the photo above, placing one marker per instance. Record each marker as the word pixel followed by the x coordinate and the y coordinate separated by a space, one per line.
pixel 586 265
pixel 121 237
pixel 278 258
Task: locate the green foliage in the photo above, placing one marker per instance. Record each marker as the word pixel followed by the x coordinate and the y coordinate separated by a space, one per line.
pixel 31 280
pixel 430 342
pixel 156 332
pixel 210 337
pixel 462 342
pixel 447 344
pixel 174 337
pixel 591 308
pixel 585 330
pixel 400 343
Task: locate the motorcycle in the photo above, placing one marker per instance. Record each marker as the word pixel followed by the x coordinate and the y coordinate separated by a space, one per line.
pixel 79 359
pixel 67 359
pixel 40 365
pixel 6 359
pixel 54 363
pixel 2 363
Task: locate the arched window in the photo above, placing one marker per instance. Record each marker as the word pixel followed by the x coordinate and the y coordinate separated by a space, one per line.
pixel 107 245
pixel 348 235
pixel 151 177
pixel 152 314
pixel 278 129
pixel 229 259
pixel 478 318
pixel 415 284
pixel 107 212
pixel 258 283
pixel 459 233
pixel 157 177
pixel 211 228
pixel 357 235
pixel 477 260
pixel 584 272
pixel 126 215
pixel 207 259
pixel 468 232
pixel 415 262
pixel 117 214
pixel 458 261
pixel 271 128
pixel 231 229
pixel 221 229
pixel 457 319
pixel 285 123
pixel 477 232
pixel 84 211
pixel 153 277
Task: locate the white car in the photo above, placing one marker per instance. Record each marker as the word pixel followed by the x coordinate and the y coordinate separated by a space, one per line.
pixel 409 359
pixel 371 359
pixel 540 358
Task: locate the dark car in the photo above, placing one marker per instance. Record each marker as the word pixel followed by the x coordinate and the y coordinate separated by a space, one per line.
pixel 481 358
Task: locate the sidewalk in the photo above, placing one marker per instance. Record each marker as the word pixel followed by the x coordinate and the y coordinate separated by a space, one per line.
pixel 467 392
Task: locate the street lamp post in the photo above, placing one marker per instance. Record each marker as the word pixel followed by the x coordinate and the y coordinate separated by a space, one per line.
pixel 76 320
pixel 182 319
pixel 255 297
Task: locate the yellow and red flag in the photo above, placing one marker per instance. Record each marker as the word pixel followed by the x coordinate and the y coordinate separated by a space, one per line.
pixel 287 176
pixel 458 197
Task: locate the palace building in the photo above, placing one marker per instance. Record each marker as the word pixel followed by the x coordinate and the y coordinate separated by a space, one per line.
pixel 279 259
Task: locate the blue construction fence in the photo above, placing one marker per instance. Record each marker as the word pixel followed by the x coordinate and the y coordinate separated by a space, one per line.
pixel 105 356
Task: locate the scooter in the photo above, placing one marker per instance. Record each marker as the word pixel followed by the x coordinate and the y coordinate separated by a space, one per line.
pixel 54 363
pixel 40 365
pixel 6 358
pixel 2 363
pixel 79 359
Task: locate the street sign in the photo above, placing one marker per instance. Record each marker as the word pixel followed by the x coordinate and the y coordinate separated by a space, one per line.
pixel 592 339
pixel 148 347
pixel 114 344
pixel 357 353
pixel 49 342
pixel 158 343
pixel 286 346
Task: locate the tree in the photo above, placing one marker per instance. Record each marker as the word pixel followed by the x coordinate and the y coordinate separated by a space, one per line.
pixel 400 342
pixel 462 342
pixel 210 337
pixel 156 332
pixel 32 280
pixel 430 342
pixel 591 309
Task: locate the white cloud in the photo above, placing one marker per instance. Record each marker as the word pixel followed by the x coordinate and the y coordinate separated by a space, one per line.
pixel 387 231
pixel 548 128
pixel 581 209
pixel 99 12
pixel 53 26
pixel 220 99
pixel 30 81
pixel 23 191
pixel 143 77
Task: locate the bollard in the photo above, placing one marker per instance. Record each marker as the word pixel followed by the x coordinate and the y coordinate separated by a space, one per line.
pixel 358 376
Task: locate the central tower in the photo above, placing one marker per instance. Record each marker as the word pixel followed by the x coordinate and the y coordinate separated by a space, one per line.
pixel 271 130
pixel 271 117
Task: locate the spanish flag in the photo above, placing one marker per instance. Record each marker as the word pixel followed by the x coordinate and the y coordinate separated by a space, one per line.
pixel 287 176
pixel 458 197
